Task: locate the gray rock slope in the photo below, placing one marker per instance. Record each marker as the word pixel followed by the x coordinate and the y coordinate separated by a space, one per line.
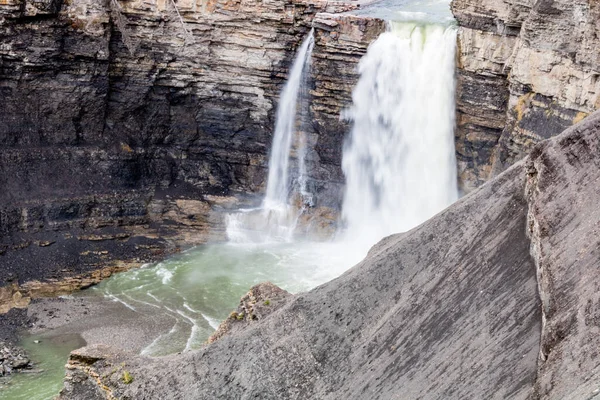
pixel 450 310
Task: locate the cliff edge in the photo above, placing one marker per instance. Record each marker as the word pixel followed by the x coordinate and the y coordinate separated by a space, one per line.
pixel 496 297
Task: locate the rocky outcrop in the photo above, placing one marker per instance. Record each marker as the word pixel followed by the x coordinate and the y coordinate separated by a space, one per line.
pixel 500 305
pixel 526 71
pixel 254 306
pixel 128 127
pixel 12 359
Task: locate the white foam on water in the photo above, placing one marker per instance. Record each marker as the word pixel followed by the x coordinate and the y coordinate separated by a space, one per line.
pixel 118 300
pixel 213 322
pixel 165 274
pixel 148 350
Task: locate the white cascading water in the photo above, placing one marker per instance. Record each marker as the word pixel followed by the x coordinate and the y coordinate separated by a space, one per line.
pixel 278 182
pixel 276 219
pixel 399 160
pixel 400 170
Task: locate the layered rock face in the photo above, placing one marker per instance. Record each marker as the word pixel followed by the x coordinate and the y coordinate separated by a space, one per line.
pixel 526 71
pixel 501 305
pixel 127 126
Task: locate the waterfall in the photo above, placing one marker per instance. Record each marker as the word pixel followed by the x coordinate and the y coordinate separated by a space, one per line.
pixel 276 219
pixel 399 159
pixel 278 182
pixel 400 170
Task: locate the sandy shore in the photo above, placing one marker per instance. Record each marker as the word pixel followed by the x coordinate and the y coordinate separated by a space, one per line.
pixel 97 320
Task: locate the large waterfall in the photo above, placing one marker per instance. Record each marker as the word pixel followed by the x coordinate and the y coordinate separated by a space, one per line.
pixel 399 160
pixel 276 219
pixel 400 170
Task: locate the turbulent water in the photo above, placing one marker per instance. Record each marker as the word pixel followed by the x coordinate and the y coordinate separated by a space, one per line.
pixel 276 219
pixel 199 288
pixel 399 161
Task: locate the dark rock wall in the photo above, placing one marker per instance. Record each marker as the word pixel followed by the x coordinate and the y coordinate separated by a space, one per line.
pixel 120 119
pixel 114 111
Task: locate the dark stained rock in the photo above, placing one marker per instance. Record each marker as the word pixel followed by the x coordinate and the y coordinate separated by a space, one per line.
pixel 119 120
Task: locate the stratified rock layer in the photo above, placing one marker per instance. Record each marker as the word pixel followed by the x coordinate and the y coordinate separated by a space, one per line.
pixel 527 70
pixel 128 127
pixel 496 297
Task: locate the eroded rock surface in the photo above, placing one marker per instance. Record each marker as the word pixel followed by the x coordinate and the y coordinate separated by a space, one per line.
pixel 563 186
pixel 495 297
pixel 527 70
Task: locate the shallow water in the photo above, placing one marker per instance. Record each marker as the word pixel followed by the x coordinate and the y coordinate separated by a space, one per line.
pixel 200 287
pixel 50 355
pixel 197 288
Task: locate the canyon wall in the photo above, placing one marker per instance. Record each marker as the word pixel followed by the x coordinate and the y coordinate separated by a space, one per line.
pixel 128 126
pixel 527 69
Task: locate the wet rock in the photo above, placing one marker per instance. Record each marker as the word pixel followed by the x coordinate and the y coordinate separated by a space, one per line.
pixel 12 359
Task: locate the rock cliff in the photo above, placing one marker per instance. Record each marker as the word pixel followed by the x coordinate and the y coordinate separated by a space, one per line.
pixel 527 70
pixel 496 297
pixel 127 126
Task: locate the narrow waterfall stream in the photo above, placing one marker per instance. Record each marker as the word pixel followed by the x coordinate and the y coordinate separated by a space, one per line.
pixel 278 183
pixel 276 219
pixel 400 170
